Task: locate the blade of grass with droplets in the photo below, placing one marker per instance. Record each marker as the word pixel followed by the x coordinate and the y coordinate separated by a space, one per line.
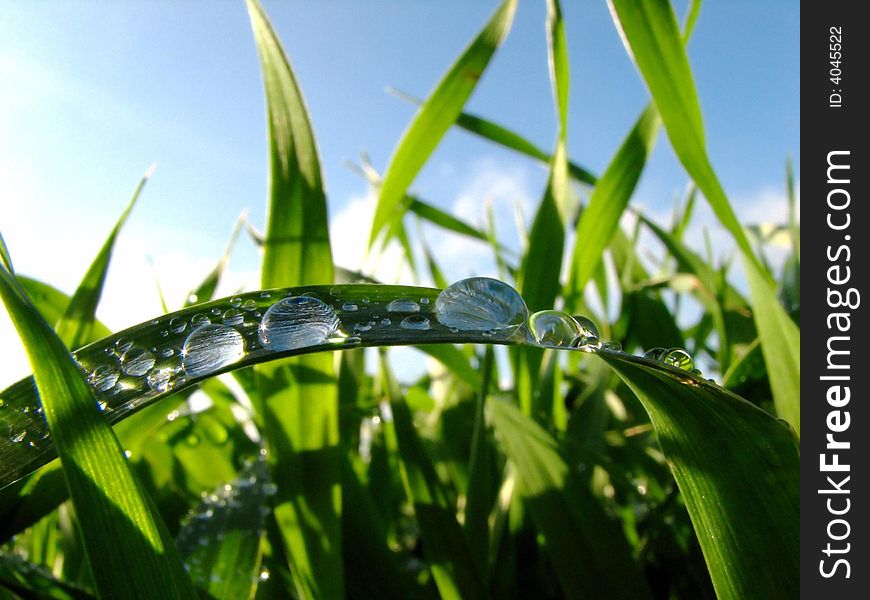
pixel 503 136
pixel 298 400
pixel 435 117
pixel 110 503
pixel 75 327
pixel 651 35
pixel 586 547
pixel 738 470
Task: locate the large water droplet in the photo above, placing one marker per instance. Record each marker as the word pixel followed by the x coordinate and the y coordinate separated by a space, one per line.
pixel 481 304
pixel 104 378
pixel 655 353
pixel 136 362
pixel 677 357
pixel 159 380
pixel 177 324
pixel 211 347
pixel 403 305
pixel 415 322
pixel 554 329
pixel 233 316
pixel 349 306
pixel 297 322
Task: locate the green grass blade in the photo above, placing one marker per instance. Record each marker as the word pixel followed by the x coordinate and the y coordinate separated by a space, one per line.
pixel 296 242
pixel 443 219
pixel 508 138
pixel 220 540
pixel 5 257
pixel 650 32
pixel 600 218
pixel 781 346
pixel 205 290
pixel 75 327
pixel 298 399
pixel 587 549
pixel 110 503
pixel 738 470
pixel 52 304
pixel 435 117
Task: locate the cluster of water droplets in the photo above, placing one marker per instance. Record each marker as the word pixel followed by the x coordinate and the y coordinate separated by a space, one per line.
pixel 239 506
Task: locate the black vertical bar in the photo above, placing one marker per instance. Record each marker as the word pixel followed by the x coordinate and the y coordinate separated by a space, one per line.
pixel 835 421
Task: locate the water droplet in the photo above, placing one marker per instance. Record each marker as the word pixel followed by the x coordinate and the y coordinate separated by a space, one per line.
pixel 235 302
pixel 677 357
pixel 415 322
pixel 265 295
pixel 696 372
pixel 233 316
pixel 211 347
pixel 167 351
pixel 424 300
pixel 123 344
pixel 611 346
pixel 200 319
pixel 589 328
pixel 481 304
pixel 104 377
pixel 297 322
pixel 386 322
pixel 655 353
pixel 361 327
pixel 136 362
pixel 349 307
pixel 249 305
pixel 403 305
pixel 19 436
pixel 554 329
pixel 177 324
pixel 215 311
pixel 264 574
pixel 102 404
pixel 159 380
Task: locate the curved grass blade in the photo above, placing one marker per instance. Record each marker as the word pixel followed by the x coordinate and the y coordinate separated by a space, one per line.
pixel 738 470
pixel 110 503
pixel 435 117
pixel 651 35
pixel 75 327
pixel 298 399
pixel 587 549
pixel 508 138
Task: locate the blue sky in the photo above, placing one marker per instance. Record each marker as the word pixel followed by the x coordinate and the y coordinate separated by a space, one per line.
pixel 93 93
